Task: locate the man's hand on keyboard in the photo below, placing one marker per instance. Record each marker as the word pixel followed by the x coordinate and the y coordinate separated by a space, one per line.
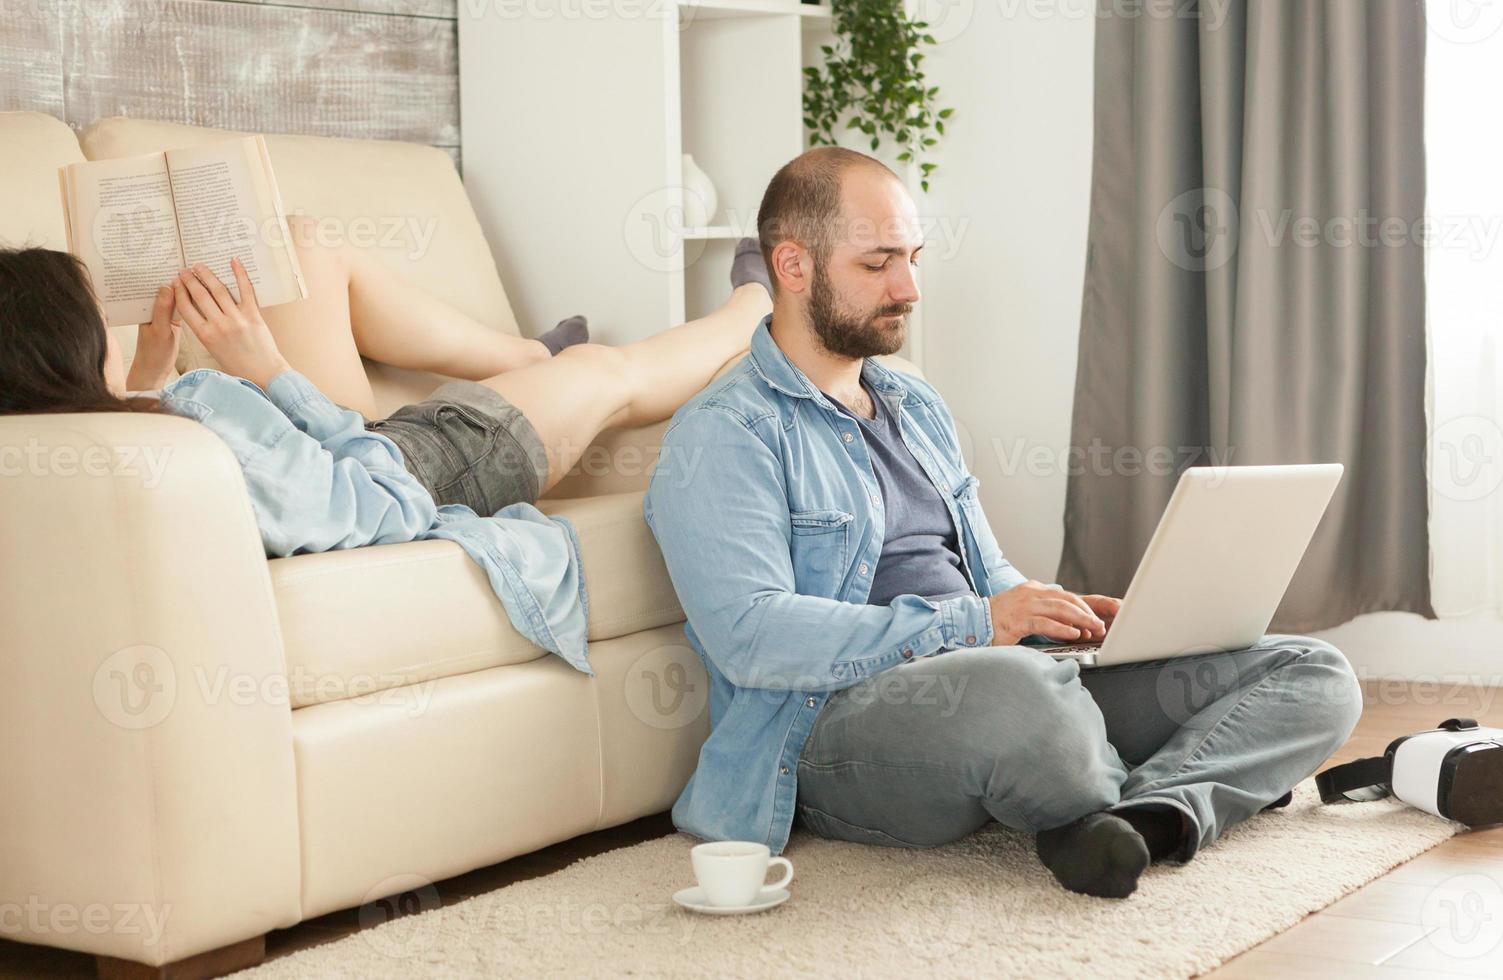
pixel 1034 607
pixel 1104 606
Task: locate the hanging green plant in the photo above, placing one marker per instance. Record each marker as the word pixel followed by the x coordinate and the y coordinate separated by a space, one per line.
pixel 872 81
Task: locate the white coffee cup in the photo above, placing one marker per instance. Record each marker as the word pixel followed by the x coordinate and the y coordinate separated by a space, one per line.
pixel 732 872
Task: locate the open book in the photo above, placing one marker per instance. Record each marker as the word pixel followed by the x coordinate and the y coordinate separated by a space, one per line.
pixel 136 221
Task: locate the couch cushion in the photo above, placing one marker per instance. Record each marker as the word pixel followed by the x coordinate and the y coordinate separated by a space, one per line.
pixel 369 619
pixel 33 146
pixel 625 575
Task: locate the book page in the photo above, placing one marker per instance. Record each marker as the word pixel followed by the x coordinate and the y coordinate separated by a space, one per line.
pixel 120 223
pixel 226 206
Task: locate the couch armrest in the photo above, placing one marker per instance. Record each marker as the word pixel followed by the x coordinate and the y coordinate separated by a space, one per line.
pixel 149 810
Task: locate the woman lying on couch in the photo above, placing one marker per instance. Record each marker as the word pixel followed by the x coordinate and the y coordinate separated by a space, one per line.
pixel 464 465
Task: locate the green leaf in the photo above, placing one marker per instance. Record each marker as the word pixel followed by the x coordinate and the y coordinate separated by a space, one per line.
pixel 872 81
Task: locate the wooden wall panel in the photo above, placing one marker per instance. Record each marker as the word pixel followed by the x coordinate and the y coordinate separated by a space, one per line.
pixel 31 67
pixel 373 69
pixel 420 8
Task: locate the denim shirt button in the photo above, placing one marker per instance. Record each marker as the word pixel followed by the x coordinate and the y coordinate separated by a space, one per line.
pixel 848 437
pixel 783 770
pixel 811 702
pixel 970 639
pixel 907 654
pixel 863 569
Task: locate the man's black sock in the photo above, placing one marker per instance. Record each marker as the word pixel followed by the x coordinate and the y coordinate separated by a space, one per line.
pixel 1161 827
pixel 1100 854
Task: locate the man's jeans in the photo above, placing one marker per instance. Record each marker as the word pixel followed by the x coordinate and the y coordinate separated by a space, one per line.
pixel 928 752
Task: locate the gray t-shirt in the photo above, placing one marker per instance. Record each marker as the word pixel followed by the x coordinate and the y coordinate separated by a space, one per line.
pixel 921 550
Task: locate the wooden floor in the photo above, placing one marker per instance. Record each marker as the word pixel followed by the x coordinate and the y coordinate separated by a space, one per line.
pixel 1440 915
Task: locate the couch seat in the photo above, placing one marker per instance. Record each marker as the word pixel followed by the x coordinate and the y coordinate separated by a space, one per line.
pixel 358 622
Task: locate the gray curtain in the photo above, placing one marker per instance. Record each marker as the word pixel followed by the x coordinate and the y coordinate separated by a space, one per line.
pixel 1254 288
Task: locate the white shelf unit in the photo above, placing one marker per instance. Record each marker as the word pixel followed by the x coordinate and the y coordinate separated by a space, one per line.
pixel 573 137
pixel 740 117
pixel 752 8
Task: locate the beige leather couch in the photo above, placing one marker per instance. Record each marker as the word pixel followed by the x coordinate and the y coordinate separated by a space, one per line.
pixel 202 745
pixel 233 744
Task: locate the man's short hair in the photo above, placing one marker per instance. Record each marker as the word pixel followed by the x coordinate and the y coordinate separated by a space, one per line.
pixel 802 201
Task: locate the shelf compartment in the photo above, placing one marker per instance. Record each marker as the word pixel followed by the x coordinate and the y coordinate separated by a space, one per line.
pixel 751 8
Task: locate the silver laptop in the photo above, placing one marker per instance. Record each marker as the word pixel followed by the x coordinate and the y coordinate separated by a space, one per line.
pixel 1218 563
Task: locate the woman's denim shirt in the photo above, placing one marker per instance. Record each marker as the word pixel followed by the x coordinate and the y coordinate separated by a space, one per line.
pixel 769 517
pixel 319 481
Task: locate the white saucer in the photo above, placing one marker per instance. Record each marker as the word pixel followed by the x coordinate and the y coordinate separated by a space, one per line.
pixel 694 900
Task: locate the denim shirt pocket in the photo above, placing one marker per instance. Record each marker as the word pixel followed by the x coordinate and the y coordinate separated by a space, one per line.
pixel 820 549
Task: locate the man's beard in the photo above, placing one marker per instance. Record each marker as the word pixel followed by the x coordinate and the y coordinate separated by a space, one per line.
pixel 849 333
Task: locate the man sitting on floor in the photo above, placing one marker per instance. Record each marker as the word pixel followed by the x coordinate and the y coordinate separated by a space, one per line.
pixel 826 540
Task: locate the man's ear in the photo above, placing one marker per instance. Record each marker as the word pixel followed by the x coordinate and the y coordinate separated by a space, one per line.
pixel 792 266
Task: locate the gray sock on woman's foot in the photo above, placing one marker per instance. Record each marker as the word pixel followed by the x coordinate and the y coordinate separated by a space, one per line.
pixel 575 330
pixel 747 266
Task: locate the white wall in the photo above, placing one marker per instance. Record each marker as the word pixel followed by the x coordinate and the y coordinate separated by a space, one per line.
pixel 1002 280
pixel 1002 293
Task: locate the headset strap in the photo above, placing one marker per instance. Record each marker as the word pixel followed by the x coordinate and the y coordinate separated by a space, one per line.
pixel 1368 779
pixel 1356 782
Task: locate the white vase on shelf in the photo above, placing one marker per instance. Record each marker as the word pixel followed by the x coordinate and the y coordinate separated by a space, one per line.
pixel 700 199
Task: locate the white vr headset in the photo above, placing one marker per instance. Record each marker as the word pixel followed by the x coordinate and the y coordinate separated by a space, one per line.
pixel 1454 771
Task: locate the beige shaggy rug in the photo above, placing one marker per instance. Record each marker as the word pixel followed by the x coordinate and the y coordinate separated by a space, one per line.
pixel 980 907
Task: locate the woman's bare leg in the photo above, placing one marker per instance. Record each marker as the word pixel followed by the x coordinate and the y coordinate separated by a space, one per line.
pixel 356 307
pixel 397 323
pixel 314 333
pixel 590 387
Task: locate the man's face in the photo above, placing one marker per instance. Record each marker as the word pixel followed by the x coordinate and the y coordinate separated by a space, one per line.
pixel 861 294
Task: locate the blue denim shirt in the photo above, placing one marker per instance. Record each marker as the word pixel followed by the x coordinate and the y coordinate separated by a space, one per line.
pixel 769 516
pixel 319 481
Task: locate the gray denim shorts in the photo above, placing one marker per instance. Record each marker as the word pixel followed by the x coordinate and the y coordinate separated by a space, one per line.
pixel 468 445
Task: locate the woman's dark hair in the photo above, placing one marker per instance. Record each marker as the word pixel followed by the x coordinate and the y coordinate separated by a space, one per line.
pixel 52 339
